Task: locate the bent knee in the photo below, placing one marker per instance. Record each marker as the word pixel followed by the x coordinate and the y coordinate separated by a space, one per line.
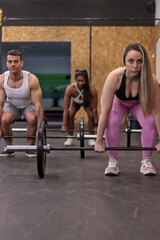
pixel 72 114
pixel 89 113
pixel 115 122
pixel 31 118
pixel 7 118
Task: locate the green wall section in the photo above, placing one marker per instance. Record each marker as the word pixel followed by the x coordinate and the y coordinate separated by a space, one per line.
pixel 50 82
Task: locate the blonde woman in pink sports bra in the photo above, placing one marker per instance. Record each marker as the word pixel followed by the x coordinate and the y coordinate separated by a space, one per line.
pixel 78 94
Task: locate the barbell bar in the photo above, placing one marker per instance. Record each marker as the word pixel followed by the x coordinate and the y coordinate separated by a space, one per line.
pixel 47 148
pixel 75 130
pixel 69 130
pixel 18 136
pixel 133 130
pixel 42 148
pixel 95 136
pixel 87 136
pixel 78 136
pixel 23 148
pixel 19 129
pixel 50 129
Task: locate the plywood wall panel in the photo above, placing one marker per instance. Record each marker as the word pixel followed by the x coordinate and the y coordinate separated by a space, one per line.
pixel 107 47
pixel 79 37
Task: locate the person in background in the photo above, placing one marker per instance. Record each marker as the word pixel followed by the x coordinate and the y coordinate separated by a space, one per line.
pixel 78 94
pixel 20 94
pixel 132 88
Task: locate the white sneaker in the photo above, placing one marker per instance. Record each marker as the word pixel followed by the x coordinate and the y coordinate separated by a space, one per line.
pixel 91 142
pixel 31 154
pixel 113 168
pixel 147 168
pixel 6 153
pixel 69 142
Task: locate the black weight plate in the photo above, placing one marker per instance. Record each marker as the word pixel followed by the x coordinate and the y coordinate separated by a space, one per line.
pixel 41 155
pixel 82 152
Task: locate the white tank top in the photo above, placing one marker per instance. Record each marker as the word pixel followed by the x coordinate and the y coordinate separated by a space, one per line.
pixel 19 97
pixel 77 100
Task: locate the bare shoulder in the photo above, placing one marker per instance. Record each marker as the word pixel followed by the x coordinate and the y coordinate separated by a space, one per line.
pixel 116 73
pixel 92 86
pixel 33 81
pixel 115 77
pixel 1 79
pixel 93 89
pixel 32 77
pixel 70 88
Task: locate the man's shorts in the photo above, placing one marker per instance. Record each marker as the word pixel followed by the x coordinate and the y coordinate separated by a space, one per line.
pixel 17 112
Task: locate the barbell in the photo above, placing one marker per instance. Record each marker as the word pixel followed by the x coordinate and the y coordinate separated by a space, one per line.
pixel 80 136
pixel 50 130
pixel 42 148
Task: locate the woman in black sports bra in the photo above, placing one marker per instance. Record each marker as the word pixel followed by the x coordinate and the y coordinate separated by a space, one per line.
pixel 132 88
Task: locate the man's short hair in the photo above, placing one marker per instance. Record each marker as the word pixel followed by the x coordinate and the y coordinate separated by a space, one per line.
pixel 15 53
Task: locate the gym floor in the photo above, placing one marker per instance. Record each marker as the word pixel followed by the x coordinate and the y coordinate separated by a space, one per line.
pixel 75 200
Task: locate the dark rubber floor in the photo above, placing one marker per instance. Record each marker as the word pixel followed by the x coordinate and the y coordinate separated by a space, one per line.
pixel 75 200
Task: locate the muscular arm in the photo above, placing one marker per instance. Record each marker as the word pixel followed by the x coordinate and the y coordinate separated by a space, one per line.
pixel 106 105
pixel 156 111
pixel 111 85
pixel 67 101
pixel 2 99
pixel 36 96
pixel 94 101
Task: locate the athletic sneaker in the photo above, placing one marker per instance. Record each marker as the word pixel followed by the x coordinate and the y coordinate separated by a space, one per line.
pixel 113 168
pixel 6 153
pixel 31 154
pixel 147 168
pixel 91 142
pixel 69 142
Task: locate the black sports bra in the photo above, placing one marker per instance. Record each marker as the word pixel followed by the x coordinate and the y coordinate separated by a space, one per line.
pixel 120 93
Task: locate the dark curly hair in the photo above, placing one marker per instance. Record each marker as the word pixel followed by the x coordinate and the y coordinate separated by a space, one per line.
pixel 86 92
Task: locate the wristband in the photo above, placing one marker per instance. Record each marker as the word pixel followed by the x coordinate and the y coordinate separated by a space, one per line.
pixel 96 124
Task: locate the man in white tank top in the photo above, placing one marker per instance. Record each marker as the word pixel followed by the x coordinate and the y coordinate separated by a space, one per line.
pixel 20 94
pixel 80 93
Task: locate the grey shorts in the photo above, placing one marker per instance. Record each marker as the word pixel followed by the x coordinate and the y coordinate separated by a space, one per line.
pixel 17 112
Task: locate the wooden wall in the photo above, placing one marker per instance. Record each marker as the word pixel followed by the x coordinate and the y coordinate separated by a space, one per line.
pixel 107 47
pixel 108 44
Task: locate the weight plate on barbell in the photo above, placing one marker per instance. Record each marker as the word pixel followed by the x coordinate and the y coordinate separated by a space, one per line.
pixel 82 152
pixel 41 154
